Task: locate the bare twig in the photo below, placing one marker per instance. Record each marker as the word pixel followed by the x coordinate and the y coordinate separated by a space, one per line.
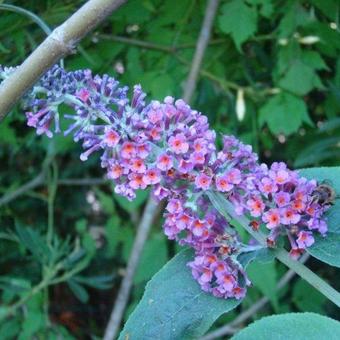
pixel 233 326
pixel 135 42
pixel 150 212
pixel 150 45
pixel 58 44
pixel 41 179
pixel 125 287
pixel 200 49
pixel 37 181
pixel 83 181
pixel 28 14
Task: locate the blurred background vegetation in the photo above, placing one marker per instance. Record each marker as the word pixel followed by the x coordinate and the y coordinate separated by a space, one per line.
pixel 65 241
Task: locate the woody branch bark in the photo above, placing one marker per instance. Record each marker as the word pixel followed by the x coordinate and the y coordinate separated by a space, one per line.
pixel 58 44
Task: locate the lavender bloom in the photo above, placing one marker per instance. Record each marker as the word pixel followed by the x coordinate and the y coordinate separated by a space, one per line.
pixel 169 147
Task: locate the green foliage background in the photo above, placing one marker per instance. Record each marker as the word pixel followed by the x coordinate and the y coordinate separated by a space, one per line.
pixel 283 55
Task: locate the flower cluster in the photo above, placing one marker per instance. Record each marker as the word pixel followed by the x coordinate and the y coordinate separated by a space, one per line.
pixel 276 197
pixel 194 222
pixel 286 204
pixel 169 147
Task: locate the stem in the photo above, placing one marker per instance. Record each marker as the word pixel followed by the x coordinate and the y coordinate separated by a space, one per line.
pixel 69 274
pixel 41 23
pixel 52 190
pixel 313 279
pixel 136 42
pixel 35 182
pixel 201 46
pixel 153 46
pixel 42 285
pixel 227 210
pixel 40 180
pixel 83 181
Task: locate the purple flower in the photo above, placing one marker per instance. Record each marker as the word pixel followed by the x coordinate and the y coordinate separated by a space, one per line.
pixel 272 218
pixel 305 239
pixel 289 216
pixel 223 184
pixel 256 207
pixel 185 166
pixel 203 181
pixel 111 137
pixel 178 144
pixel 152 176
pixel 282 198
pixel 164 162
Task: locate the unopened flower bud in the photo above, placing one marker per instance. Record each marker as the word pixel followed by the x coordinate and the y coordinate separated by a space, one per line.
pixel 240 105
pixel 309 40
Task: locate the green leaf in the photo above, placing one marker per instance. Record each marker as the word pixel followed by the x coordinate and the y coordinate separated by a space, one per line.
pixel 328 36
pixel 162 85
pixel 14 284
pixel 7 133
pixel 132 206
pixel 284 113
pixel 327 7
pixel 154 256
pixel 263 256
pixel 112 235
pixel 174 306
pixel 314 60
pixel 306 298
pixel 286 56
pixel 264 277
pixel 318 151
pixel 294 17
pixel 34 242
pixel 9 329
pixel 78 290
pixel 106 201
pixel 330 125
pixel 3 49
pixel 327 249
pixel 32 323
pixel 266 7
pixel 292 326
pixel 126 237
pixel 300 79
pixel 239 20
pixel 99 281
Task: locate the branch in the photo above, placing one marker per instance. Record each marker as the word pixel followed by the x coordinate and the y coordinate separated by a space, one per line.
pixel 150 45
pixel 83 181
pixel 201 46
pixel 58 44
pixel 232 327
pixel 39 180
pixel 151 209
pixel 136 42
